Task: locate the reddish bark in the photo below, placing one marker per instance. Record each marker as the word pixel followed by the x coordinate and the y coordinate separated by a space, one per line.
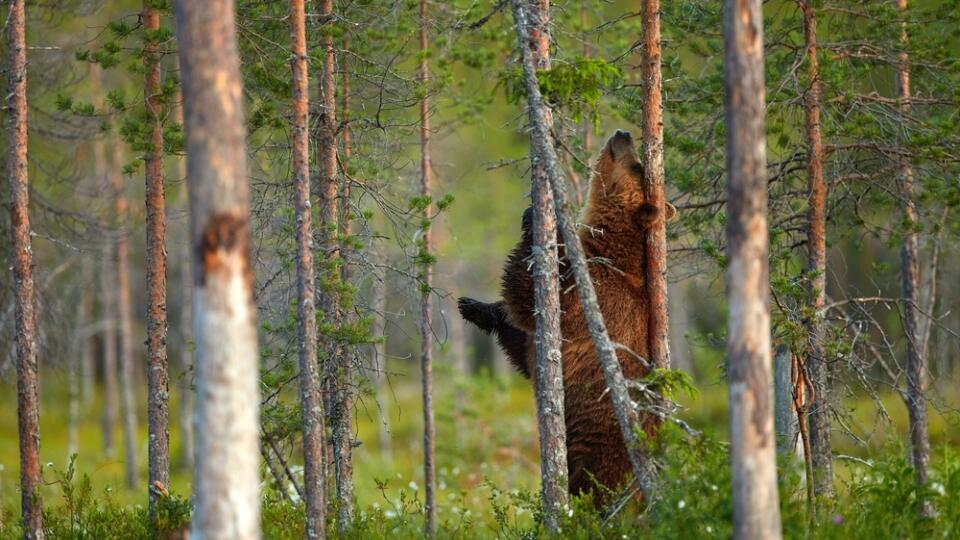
pixel 818 407
pixel 158 391
pixel 28 403
pixel 658 327
pixel 311 404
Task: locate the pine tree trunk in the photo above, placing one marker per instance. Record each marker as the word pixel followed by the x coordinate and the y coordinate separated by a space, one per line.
pixel 185 403
pixel 426 315
pixel 658 327
pixel 28 403
pixel 548 379
pixel 816 365
pixel 623 406
pixel 128 409
pixel 83 356
pixel 108 301
pixel 916 400
pixel 337 367
pixel 785 418
pixel 756 511
pixel 158 391
pixel 311 405
pixel 226 480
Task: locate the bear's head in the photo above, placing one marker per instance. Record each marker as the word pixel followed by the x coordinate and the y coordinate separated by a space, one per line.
pixel 617 186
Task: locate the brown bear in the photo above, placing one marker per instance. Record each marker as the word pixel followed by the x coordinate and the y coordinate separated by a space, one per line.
pixel 613 232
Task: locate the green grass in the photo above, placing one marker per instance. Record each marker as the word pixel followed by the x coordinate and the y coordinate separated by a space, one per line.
pixel 487 465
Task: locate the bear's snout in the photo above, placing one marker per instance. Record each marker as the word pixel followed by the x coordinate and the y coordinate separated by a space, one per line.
pixel 621 145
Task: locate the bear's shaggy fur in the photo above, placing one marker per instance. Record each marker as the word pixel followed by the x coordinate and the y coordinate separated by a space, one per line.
pixel 613 233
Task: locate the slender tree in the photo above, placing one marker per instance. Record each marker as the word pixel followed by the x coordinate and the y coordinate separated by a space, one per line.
pixel 84 355
pixel 108 302
pixel 226 480
pixel 338 370
pixel 623 406
pixel 185 403
pixel 658 328
pixel 818 406
pixel 311 403
pixel 546 281
pixel 426 315
pixel 28 403
pixel 756 511
pixel 909 279
pixel 128 409
pixel 158 391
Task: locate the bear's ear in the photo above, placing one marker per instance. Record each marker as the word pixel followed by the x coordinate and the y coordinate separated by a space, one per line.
pixel 670 210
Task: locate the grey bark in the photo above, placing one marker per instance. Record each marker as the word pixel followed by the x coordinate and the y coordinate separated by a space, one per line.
pixel 785 417
pixel 916 399
pixel 548 376
pixel 624 408
pixel 756 511
pixel 226 479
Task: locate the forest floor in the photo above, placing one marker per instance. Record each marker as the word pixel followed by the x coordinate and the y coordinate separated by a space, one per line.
pixel 487 457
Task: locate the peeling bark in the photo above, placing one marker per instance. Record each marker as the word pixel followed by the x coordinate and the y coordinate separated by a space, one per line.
pixel 756 511
pixel 819 406
pixel 226 480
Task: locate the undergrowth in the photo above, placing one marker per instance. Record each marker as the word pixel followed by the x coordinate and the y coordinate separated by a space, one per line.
pixel 879 500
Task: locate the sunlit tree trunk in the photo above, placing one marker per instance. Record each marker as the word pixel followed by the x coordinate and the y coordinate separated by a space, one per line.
pixel 909 278
pixel 226 479
pixel 158 391
pixel 756 511
pixel 658 328
pixel 548 379
pixel 28 403
pixel 819 406
pixel 623 406
pixel 426 315
pixel 311 404
pixel 128 409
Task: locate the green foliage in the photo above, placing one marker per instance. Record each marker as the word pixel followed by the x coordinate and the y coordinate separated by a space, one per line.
pixel 576 85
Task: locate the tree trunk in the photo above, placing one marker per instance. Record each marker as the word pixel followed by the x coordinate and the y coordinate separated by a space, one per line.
pixel 548 379
pixel 128 410
pixel 426 316
pixel 337 369
pixel 311 404
pixel 785 418
pixel 658 326
pixel 28 403
pixel 680 357
pixel 185 403
pixel 226 480
pixel 108 301
pixel 83 356
pixel 378 364
pixel 816 365
pixel 623 406
pixel 756 511
pixel 158 391
pixel 916 400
